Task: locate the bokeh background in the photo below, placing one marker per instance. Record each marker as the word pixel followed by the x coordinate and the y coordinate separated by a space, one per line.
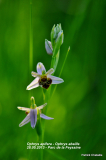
pixel 79 104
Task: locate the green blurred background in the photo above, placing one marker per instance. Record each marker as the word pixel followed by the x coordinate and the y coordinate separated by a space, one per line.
pixel 79 104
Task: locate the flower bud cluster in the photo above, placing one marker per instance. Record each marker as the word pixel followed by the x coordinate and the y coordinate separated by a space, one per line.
pixel 57 36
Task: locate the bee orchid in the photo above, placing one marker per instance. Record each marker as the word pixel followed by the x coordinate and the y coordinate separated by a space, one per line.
pixel 43 78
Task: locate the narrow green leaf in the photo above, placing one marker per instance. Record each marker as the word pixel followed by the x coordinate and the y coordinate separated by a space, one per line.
pixel 62 68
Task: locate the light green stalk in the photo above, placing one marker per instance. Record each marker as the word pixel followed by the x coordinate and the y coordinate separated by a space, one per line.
pixel 38 125
pixel 30 48
pixel 31 40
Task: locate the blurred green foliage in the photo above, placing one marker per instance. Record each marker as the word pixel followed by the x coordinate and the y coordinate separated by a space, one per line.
pixel 79 104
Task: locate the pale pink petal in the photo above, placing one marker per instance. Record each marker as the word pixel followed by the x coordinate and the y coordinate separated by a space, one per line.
pixel 24 109
pixel 33 117
pixel 40 68
pixel 34 74
pixel 55 80
pixel 50 71
pixel 33 84
pixel 45 117
pixel 41 107
pixel 25 121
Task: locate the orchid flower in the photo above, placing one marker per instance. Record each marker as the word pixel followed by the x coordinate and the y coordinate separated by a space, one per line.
pixel 32 114
pixel 43 78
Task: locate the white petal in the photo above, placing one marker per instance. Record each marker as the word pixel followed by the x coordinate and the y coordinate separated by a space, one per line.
pixel 25 121
pixel 55 80
pixel 45 117
pixel 40 68
pixel 34 74
pixel 50 71
pixel 33 117
pixel 24 109
pixel 41 107
pixel 33 84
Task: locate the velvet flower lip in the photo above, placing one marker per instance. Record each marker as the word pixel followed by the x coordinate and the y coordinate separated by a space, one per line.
pixel 32 115
pixel 43 78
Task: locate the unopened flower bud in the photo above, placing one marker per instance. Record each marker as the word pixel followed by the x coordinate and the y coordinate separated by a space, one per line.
pixel 48 47
pixel 60 36
pixel 59 42
pixel 58 28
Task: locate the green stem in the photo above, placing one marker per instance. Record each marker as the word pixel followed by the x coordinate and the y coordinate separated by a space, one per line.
pixel 41 137
pixel 55 60
pixel 43 91
pixel 55 154
pixel 41 150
